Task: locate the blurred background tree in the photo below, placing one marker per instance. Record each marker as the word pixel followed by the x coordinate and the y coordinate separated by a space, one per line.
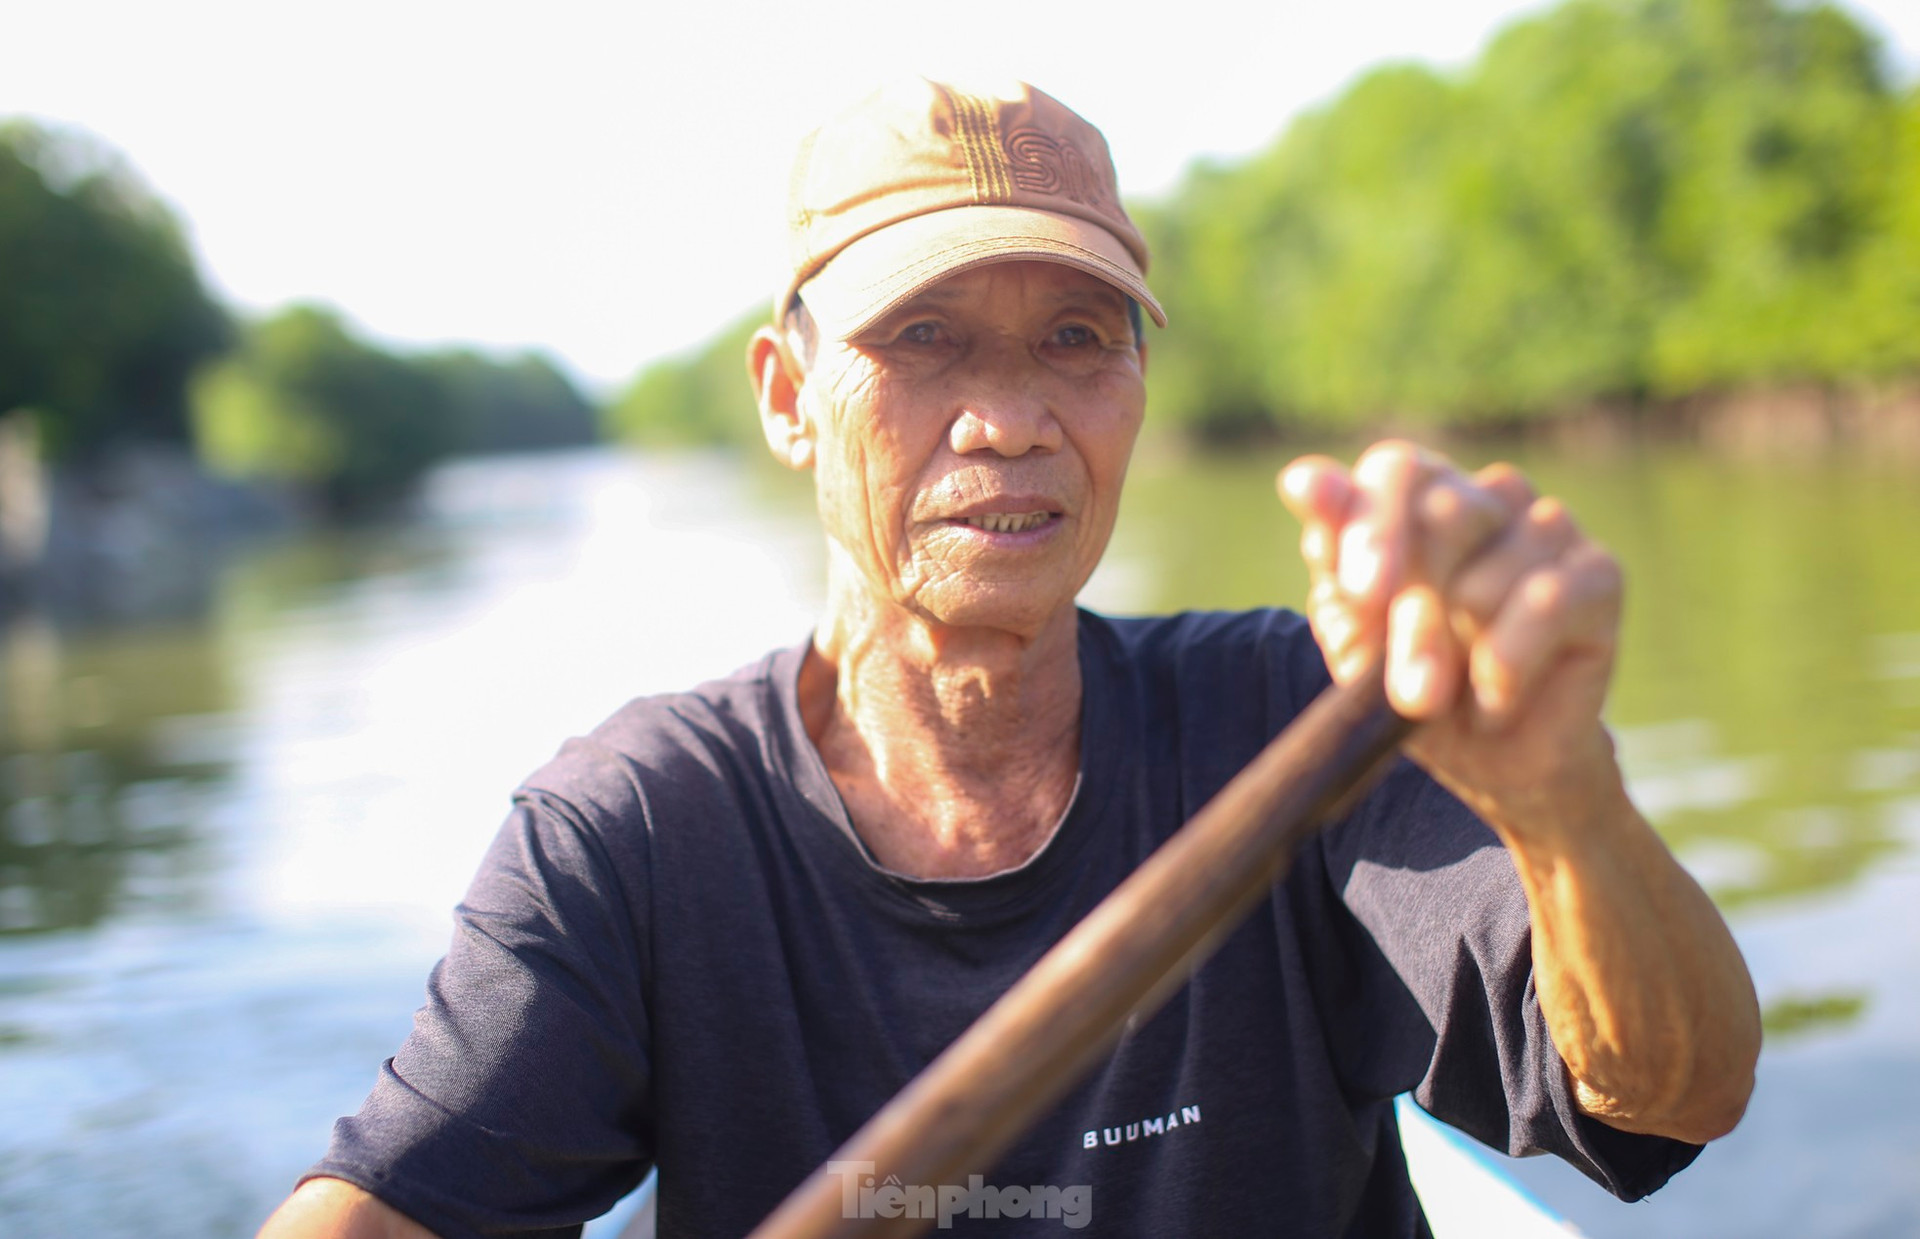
pixel 102 314
pixel 1622 200
pixel 515 404
pixel 701 397
pixel 109 337
pixel 1625 204
pixel 304 401
pixel 1622 203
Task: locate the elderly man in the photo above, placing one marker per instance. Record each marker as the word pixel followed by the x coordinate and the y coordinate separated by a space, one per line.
pixel 720 932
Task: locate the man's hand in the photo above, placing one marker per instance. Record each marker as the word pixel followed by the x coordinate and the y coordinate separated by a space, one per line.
pixel 1499 620
pixel 1498 616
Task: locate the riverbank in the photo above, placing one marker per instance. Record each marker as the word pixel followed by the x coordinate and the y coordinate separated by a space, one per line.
pixel 136 532
pixel 1875 424
pixel 1769 423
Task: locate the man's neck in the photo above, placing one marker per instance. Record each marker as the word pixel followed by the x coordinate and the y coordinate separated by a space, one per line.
pixel 955 749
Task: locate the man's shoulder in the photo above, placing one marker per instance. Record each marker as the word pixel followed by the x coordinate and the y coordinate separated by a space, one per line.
pixel 1271 645
pixel 671 743
pixel 718 713
pixel 1151 636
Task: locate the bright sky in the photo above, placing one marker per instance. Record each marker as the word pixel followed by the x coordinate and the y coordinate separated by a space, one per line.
pixel 605 180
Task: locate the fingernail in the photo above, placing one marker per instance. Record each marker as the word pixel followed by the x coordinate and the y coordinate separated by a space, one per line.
pixel 1410 684
pixel 1294 480
pixel 1359 561
pixel 1313 545
pixel 1374 467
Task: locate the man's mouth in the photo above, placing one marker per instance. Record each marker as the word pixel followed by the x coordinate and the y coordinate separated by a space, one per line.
pixel 1008 522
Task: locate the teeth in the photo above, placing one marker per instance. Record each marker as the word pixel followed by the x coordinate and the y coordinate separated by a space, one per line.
pixel 1008 522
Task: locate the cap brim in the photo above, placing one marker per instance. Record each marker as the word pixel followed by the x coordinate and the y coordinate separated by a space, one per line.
pixel 877 273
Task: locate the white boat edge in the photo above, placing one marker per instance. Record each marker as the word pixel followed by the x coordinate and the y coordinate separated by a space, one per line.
pixel 1464 1192
pixel 632 1218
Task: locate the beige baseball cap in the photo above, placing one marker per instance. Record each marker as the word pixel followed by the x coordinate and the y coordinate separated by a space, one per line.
pixel 922 180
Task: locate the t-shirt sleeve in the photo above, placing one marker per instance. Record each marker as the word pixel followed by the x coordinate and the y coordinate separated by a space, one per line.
pixel 519 1103
pixel 1434 961
pixel 1445 955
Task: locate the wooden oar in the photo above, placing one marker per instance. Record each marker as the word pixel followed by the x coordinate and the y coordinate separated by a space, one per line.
pixel 1125 959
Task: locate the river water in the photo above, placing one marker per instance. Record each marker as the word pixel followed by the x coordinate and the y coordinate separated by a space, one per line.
pixel 230 841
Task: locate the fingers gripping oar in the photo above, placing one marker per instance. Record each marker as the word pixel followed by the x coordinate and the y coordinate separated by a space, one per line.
pixel 1125 959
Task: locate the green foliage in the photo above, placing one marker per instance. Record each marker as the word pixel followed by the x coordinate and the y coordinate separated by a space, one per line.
pixel 304 401
pixel 700 398
pixel 247 426
pixel 1884 284
pixel 104 322
pixel 518 404
pixel 1622 199
pixel 102 313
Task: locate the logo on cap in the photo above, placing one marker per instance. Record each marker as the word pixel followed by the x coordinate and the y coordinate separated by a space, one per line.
pixel 1045 165
pixel 1028 158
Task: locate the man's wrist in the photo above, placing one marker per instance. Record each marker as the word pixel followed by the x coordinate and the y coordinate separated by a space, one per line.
pixel 1569 812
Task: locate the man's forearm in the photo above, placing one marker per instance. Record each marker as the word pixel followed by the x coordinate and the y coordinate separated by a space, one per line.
pixel 335 1209
pixel 1644 991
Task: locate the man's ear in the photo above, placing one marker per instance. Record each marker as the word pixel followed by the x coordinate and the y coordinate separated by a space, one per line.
pixel 777 380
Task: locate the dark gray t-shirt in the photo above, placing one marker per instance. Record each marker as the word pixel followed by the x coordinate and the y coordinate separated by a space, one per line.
pixel 679 953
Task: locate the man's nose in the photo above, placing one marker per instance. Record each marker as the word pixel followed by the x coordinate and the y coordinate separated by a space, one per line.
pixel 1004 407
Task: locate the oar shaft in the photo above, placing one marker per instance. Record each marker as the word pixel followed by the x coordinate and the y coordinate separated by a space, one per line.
pixel 1130 953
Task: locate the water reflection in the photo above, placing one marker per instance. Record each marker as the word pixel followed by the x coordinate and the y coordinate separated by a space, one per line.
pixel 232 846
pixel 1790 1015
pixel 1767 702
pixel 100 790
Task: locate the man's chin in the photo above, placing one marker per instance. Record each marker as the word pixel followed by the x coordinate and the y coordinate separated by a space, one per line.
pixel 1021 610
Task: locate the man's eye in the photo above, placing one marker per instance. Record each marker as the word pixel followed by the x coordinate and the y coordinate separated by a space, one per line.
pixel 1074 337
pixel 921 333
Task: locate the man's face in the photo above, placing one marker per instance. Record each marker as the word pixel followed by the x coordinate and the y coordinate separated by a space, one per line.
pixel 970 447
